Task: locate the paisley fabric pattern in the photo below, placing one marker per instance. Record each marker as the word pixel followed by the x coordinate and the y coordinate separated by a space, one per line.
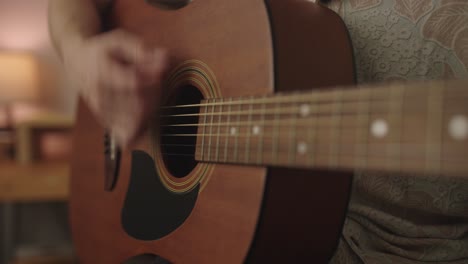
pixel 401 218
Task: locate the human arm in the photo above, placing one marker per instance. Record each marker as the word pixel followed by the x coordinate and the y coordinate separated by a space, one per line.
pixel 114 72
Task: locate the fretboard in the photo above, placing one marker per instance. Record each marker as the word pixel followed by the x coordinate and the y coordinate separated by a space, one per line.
pixel 417 128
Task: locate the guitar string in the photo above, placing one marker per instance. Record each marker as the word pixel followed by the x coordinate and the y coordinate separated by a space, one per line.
pixel 406 148
pixel 256 102
pixel 411 146
pixel 250 113
pixel 315 96
pixel 269 122
pixel 225 136
pixel 283 121
pixel 324 122
pixel 358 144
pixel 377 155
pixel 329 102
pixel 303 99
pixel 414 151
pixel 299 108
pixel 420 148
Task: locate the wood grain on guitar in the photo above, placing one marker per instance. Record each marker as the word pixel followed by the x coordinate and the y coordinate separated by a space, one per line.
pixel 238 168
pixel 417 128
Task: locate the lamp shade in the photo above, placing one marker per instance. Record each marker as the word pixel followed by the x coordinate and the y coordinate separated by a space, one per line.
pixel 18 77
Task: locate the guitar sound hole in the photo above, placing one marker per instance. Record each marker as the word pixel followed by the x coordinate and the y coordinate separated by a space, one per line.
pixel 178 131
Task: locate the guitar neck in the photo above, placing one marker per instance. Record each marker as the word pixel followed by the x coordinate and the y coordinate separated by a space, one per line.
pixel 417 128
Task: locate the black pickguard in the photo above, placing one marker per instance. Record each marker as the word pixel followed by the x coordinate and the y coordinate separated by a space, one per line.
pixel 151 211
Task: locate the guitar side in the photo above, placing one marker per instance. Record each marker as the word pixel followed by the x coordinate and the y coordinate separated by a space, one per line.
pixel 243 213
pixel 303 213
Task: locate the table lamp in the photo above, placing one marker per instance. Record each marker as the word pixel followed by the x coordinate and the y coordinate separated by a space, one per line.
pixel 18 83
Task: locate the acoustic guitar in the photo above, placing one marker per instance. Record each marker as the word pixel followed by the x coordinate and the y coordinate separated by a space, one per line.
pixel 248 160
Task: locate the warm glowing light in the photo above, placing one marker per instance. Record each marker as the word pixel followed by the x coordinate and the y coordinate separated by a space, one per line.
pixel 18 77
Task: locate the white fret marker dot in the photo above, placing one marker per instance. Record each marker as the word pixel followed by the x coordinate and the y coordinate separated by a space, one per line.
pixel 458 127
pixel 256 130
pixel 304 110
pixel 233 131
pixel 302 148
pixel 379 128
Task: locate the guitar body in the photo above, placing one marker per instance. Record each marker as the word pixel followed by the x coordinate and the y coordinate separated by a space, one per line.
pixel 216 213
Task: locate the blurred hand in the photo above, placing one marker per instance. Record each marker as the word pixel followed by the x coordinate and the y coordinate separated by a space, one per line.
pixel 120 79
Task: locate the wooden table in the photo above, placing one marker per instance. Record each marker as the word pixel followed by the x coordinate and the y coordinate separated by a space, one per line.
pixel 33 182
pixel 28 133
pixel 6 145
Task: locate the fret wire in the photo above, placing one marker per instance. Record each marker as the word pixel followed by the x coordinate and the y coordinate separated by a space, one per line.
pixel 443 108
pixel 211 129
pixel 272 121
pixel 227 130
pixel 236 139
pixel 392 115
pixel 275 133
pixel 403 105
pixel 416 150
pixel 291 110
pixel 249 119
pixel 217 139
pixel 321 95
pixel 304 100
pixel 312 138
pixel 350 128
pixel 408 147
pixel 390 128
pixel 364 127
pixel 362 134
pixel 416 157
pixel 260 144
pixel 336 121
pixel 284 98
pixel 285 111
pixel 226 135
pixel 434 124
pixel 428 117
pixel 204 132
pixel 292 139
pixel 421 146
pixel 395 118
pixel 319 125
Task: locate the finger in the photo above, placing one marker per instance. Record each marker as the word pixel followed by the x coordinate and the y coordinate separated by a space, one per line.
pixel 118 77
pixel 154 64
pixel 122 116
pixel 125 109
pixel 126 47
pixel 130 121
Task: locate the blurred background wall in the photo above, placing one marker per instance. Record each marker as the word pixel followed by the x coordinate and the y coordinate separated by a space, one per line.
pixel 24 28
